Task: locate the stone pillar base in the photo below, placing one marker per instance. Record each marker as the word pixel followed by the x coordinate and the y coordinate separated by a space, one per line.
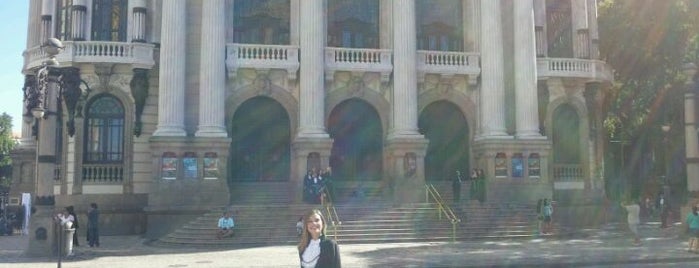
pixel 42 236
pixel 405 168
pixel 302 148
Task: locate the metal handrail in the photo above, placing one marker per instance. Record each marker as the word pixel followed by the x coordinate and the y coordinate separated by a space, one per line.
pixel 431 191
pixel 330 210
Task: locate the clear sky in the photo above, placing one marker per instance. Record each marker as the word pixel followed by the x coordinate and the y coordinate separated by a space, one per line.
pixel 13 31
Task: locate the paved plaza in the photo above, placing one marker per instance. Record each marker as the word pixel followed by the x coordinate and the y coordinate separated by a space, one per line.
pixel 608 246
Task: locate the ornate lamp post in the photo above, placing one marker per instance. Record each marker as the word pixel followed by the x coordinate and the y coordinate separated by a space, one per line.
pixel 44 98
pixel 691 139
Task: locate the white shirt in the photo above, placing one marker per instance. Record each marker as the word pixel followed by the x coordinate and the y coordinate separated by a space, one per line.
pixel 633 211
pixel 309 258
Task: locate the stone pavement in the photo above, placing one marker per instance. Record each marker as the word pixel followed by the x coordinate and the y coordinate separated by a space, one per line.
pixel 606 246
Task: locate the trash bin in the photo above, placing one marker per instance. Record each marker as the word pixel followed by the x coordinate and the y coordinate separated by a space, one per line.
pixel 68 232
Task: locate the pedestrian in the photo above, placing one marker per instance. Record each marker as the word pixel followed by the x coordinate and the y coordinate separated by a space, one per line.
pixel 540 215
pixel 693 228
pixel 71 212
pixel 93 235
pixel 299 226
pixel 456 187
pixel 329 186
pixel 547 211
pixel 225 225
pixel 664 208
pixel 315 249
pixel 481 186
pixel 473 189
pixel 633 210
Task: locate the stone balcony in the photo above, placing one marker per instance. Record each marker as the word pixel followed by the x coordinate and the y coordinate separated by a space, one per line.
pixel 139 55
pixel 264 57
pixel 448 63
pixel 358 60
pixel 588 70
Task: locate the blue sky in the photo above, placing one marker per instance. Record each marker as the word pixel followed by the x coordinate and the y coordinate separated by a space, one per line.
pixel 13 29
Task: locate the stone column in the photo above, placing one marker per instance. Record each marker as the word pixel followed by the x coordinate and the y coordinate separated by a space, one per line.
pixel 592 28
pixel 212 78
pixel 172 70
pixel 527 116
pixel 690 133
pixel 404 97
pixel 138 20
pixel 78 21
pixel 312 43
pixel 492 78
pixel 47 8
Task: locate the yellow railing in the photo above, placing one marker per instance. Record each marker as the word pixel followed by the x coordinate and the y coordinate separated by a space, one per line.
pixel 431 192
pixel 333 218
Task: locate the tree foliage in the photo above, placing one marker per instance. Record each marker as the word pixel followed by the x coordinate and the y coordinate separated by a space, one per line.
pixel 646 42
pixel 7 143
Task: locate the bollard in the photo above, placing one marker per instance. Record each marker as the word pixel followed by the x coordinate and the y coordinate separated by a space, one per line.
pixel 68 232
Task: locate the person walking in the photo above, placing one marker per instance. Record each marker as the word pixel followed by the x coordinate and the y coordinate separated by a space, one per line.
pixel 315 249
pixel 93 235
pixel 547 212
pixel 693 228
pixel 632 217
pixel 456 187
pixel 664 207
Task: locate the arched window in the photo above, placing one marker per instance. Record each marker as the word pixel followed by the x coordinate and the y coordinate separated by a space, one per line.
pixel 63 19
pixel 353 23
pixel 439 25
pixel 109 20
pixel 104 130
pixel 261 22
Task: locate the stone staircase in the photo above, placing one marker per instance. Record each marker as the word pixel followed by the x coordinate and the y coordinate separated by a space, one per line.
pixel 369 222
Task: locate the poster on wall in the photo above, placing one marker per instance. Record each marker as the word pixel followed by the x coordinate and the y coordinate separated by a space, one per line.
pixel 534 165
pixel 517 166
pixel 500 165
pixel 211 166
pixel 189 162
pixel 169 166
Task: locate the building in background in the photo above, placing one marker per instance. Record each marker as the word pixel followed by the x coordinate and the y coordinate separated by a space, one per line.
pixel 196 104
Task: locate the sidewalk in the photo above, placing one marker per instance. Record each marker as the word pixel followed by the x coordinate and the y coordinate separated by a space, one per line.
pixel 593 247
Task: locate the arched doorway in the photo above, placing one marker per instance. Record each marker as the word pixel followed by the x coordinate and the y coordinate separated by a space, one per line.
pixel 445 127
pixel 357 152
pixel 566 144
pixel 260 147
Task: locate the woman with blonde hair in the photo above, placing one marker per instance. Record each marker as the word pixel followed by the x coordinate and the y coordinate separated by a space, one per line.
pixel 315 249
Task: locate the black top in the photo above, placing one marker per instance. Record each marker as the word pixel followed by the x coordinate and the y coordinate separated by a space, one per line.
pixel 329 254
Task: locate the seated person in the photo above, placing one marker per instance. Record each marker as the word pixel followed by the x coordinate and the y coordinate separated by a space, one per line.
pixel 225 225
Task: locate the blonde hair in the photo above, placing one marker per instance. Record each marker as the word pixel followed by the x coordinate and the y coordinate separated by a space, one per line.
pixel 305 236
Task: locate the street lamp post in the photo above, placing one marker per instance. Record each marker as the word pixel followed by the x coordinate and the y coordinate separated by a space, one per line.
pixel 53 87
pixel 667 157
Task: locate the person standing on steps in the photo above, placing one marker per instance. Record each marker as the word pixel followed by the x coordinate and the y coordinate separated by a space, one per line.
pixel 473 189
pixel 93 235
pixel 481 186
pixel 547 211
pixel 456 187
pixel 315 249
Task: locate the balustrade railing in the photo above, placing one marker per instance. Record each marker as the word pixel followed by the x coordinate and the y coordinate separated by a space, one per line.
pixel 259 56
pixel 138 54
pixel 103 173
pixel 579 68
pixel 448 63
pixel 358 60
pixel 567 172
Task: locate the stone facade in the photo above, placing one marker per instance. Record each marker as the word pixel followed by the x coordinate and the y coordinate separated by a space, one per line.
pixel 190 95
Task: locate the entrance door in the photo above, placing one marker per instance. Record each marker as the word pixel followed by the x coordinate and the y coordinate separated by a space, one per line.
pixel 445 127
pixel 260 147
pixel 355 127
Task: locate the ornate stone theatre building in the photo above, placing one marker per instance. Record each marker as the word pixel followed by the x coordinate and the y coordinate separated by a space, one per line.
pixel 161 109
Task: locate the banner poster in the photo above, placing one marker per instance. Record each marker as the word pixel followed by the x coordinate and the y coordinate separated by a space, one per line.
pixel 189 161
pixel 211 166
pixel 169 166
pixel 534 165
pixel 501 165
pixel 517 166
